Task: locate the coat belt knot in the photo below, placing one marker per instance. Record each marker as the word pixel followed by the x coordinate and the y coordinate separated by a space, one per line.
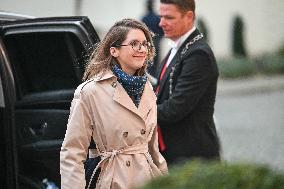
pixel 105 180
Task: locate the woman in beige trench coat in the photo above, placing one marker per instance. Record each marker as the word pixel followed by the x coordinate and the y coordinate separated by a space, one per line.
pixel 117 107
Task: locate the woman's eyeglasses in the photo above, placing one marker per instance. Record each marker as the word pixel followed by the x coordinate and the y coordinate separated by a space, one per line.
pixel 136 45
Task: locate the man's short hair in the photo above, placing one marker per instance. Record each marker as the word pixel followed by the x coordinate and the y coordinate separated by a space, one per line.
pixel 184 5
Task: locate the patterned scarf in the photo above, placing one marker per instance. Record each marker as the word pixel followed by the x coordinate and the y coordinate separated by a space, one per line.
pixel 134 85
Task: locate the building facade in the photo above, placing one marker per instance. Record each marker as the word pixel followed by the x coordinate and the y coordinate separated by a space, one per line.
pixel 263 19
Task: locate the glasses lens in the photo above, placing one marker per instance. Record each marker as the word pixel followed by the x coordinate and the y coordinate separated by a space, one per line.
pixel 147 45
pixel 136 45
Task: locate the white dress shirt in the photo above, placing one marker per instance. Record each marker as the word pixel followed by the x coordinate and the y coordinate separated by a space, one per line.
pixel 177 44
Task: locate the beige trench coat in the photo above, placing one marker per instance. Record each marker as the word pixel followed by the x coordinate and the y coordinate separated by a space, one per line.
pixel 126 136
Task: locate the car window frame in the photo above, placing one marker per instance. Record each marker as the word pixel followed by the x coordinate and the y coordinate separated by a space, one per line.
pixel 68 26
pixel 2 100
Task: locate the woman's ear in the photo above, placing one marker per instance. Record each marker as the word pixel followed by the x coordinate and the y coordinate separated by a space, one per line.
pixel 114 52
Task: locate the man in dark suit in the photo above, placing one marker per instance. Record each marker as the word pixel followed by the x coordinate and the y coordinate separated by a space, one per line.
pixel 187 87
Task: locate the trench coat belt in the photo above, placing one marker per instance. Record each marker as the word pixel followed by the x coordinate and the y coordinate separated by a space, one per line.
pixel 106 180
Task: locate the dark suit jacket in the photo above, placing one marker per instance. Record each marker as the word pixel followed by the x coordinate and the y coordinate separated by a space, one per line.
pixel 186 116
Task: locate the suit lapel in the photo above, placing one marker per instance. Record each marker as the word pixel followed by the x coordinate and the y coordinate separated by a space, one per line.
pixel 167 74
pixel 176 59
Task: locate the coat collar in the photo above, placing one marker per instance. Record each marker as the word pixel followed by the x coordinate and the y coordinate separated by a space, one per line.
pixel 104 76
pixel 148 99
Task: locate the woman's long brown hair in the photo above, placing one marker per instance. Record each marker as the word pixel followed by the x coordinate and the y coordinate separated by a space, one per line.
pixel 101 59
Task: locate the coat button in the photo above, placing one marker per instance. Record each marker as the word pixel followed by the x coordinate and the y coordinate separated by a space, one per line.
pixel 142 131
pixel 113 84
pixel 125 134
pixel 127 163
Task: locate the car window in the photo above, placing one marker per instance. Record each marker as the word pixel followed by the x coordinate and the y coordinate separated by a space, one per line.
pixel 2 103
pixel 45 61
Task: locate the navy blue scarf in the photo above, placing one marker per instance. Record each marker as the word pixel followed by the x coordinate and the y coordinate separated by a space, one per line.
pixel 134 85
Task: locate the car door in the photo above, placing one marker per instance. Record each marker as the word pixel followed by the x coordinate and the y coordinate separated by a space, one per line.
pixel 8 153
pixel 47 58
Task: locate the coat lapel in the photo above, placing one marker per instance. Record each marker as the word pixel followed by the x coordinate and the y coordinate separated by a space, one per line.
pixel 148 99
pixel 121 97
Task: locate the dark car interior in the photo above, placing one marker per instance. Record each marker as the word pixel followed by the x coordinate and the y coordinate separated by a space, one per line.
pixel 47 66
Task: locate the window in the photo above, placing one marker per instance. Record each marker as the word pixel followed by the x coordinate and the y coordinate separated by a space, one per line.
pixel 45 61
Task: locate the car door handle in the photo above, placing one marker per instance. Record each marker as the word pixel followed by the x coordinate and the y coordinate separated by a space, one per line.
pixel 38 130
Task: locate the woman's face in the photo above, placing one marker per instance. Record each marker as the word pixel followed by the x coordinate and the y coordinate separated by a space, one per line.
pixel 132 52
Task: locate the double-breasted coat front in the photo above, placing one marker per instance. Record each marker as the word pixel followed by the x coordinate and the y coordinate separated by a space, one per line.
pixel 126 136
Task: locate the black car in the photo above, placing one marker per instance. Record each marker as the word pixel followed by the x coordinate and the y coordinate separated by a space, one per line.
pixel 42 61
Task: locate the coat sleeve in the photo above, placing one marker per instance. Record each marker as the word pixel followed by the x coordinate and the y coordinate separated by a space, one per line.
pixel 157 157
pixel 195 76
pixel 75 145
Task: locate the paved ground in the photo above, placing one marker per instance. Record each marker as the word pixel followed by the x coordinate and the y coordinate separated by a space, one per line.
pixel 250 119
pixel 258 84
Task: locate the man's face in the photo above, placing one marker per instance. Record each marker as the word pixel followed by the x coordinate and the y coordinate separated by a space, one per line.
pixel 174 22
